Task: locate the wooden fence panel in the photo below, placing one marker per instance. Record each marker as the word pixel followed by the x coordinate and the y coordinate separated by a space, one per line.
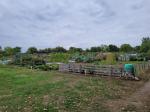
pixel 101 70
pixel 64 68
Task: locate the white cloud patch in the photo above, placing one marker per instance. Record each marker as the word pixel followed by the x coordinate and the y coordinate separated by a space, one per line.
pixel 80 23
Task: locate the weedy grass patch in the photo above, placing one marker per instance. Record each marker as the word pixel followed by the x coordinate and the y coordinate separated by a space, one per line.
pixel 24 90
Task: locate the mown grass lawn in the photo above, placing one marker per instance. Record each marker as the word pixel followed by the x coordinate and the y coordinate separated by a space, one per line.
pixel 27 90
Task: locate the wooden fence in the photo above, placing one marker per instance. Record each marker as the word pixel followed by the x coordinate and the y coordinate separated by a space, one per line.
pixel 142 67
pixel 91 69
pixel 108 70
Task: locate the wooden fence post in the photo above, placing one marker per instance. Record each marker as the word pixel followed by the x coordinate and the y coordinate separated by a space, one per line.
pixel 111 71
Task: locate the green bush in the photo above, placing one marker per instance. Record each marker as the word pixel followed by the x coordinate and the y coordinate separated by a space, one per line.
pixel 133 59
pixel 86 58
pixel 28 60
pixel 47 67
pixel 111 58
pixel 43 67
pixel 59 57
pixel 54 67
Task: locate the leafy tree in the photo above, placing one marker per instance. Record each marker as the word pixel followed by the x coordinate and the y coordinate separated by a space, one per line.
pixel 148 54
pixel 1 52
pixel 104 48
pixel 9 51
pixel 32 50
pixel 17 50
pixel 87 50
pixel 59 50
pixel 74 49
pixel 96 49
pixel 113 48
pixel 137 49
pixel 145 47
pixel 126 48
pixel 47 50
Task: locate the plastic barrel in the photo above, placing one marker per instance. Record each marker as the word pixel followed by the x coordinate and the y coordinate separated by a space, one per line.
pixel 129 68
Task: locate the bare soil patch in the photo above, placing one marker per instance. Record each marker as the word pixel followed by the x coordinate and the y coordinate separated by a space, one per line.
pixel 137 102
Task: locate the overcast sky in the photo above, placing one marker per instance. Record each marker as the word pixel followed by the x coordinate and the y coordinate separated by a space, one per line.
pixel 79 23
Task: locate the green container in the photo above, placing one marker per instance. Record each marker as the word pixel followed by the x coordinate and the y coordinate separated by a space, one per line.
pixel 129 68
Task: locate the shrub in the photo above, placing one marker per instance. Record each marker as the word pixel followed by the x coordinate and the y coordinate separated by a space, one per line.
pixel 59 57
pixel 111 58
pixel 133 59
pixel 47 67
pixel 27 60
pixel 54 67
pixel 43 67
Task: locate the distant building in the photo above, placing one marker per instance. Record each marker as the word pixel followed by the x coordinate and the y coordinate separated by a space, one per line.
pixel 128 57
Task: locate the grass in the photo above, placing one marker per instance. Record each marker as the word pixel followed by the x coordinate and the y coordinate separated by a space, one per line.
pixel 27 90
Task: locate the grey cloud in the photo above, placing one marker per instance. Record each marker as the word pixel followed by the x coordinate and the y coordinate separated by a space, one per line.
pixel 49 23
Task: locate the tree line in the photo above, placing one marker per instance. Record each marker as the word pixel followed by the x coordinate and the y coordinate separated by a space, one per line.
pixel 126 48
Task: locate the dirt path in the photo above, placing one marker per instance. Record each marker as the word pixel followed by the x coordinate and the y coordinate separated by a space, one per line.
pixel 137 102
